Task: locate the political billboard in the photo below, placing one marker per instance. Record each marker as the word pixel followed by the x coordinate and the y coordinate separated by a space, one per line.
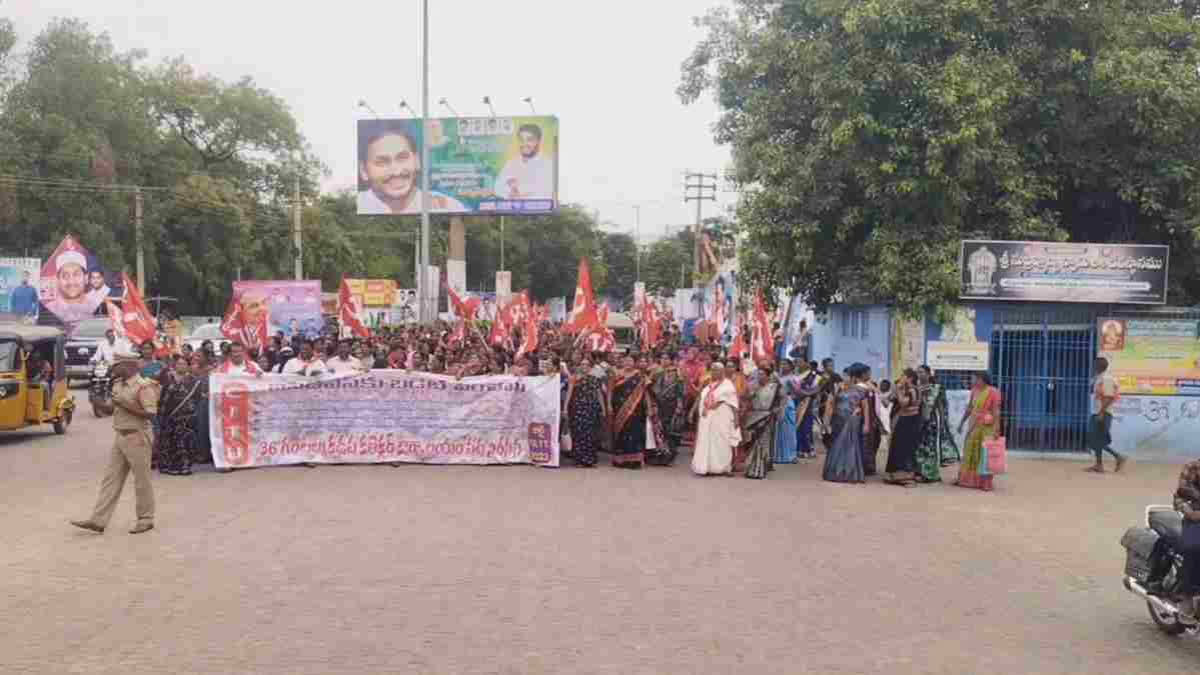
pixel 1053 271
pixel 19 288
pixel 74 285
pixel 478 165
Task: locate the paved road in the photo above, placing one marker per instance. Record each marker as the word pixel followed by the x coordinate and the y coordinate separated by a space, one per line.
pixel 520 570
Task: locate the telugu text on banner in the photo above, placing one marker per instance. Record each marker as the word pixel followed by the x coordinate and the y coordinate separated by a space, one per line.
pixel 384 416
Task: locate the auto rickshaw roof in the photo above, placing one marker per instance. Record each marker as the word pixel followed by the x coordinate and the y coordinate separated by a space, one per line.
pixel 31 334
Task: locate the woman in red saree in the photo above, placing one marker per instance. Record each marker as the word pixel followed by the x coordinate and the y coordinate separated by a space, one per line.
pixel 983 412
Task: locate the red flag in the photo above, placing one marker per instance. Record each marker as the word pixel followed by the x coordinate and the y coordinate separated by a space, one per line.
pixel 350 313
pixel 114 315
pixel 529 338
pixel 583 312
pixel 761 346
pixel 651 325
pixel 136 323
pixel 239 327
pixel 501 331
pixel 463 309
pixel 738 350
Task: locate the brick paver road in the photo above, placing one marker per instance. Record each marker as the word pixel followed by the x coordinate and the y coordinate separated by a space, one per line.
pixel 422 569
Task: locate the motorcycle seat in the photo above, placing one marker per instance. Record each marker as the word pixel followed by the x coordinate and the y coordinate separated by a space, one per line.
pixel 1168 525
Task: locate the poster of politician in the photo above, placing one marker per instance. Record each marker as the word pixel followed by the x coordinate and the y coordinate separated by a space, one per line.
pixel 492 165
pixel 19 289
pixel 73 284
pixel 289 307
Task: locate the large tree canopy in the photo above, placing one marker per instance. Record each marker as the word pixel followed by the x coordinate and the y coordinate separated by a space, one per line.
pixel 871 136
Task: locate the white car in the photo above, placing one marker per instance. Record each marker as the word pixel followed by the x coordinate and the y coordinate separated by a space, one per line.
pixel 208 331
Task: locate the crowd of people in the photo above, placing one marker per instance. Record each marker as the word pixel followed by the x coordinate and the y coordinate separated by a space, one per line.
pixel 638 407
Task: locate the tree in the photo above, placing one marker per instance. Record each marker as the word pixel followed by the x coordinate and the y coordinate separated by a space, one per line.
pixel 619 255
pixel 869 138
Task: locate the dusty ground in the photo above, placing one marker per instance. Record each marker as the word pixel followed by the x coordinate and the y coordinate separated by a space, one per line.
pixel 520 570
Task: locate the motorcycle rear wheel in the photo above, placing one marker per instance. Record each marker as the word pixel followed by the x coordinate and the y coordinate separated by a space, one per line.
pixel 1166 621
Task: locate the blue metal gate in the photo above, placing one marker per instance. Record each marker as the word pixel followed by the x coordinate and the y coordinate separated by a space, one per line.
pixel 1041 360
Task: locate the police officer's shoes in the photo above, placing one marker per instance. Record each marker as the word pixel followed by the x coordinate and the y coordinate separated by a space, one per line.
pixel 142 527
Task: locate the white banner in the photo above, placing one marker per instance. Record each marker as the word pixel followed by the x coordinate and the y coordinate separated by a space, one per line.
pixel 957 355
pixel 383 416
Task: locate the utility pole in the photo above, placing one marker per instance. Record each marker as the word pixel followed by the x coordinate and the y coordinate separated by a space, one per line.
pixel 141 252
pixel 297 239
pixel 501 243
pixel 426 187
pixel 637 238
pixel 699 187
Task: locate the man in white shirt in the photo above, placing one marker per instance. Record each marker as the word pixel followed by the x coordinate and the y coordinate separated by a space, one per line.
pixel 238 364
pixel 389 163
pixel 344 363
pixel 112 348
pixel 1105 392
pixel 529 176
pixel 305 364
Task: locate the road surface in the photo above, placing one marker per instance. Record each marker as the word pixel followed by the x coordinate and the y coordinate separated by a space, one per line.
pixel 423 569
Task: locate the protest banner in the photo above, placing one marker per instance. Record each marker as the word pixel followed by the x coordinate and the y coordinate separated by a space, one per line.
pixel 384 416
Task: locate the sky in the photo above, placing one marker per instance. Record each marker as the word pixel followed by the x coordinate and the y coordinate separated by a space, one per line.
pixel 608 70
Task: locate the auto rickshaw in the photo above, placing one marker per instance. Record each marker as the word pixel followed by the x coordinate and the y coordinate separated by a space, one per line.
pixel 33 382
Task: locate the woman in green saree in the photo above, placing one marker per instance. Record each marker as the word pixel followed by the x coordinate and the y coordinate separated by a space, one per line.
pixel 937 447
pixel 983 412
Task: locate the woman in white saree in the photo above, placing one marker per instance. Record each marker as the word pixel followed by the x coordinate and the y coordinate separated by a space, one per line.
pixel 717 433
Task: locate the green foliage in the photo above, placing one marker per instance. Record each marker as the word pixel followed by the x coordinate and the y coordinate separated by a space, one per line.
pixel 871 137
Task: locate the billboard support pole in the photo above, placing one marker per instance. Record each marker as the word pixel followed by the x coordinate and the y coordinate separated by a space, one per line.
pixel 141 252
pixel 501 243
pixel 297 236
pixel 425 315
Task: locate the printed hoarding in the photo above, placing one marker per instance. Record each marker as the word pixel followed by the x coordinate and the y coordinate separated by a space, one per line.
pixel 372 293
pixel 1152 356
pixel 477 165
pixel 1064 272
pixel 955 356
pixel 74 285
pixel 19 288
pixel 291 307
pixel 384 416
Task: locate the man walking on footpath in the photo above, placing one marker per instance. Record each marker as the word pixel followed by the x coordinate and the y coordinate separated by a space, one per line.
pixel 1104 393
pixel 135 403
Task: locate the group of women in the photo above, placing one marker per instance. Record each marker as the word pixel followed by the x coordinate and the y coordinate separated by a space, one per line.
pixel 915 417
pixel 182 439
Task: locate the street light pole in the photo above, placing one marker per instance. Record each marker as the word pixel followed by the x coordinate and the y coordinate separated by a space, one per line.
pixel 426 315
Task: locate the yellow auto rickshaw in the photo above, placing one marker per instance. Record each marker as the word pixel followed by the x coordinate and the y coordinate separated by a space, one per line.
pixel 33 382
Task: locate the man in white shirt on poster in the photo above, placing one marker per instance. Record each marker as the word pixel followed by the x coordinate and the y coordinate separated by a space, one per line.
pixel 530 176
pixel 389 164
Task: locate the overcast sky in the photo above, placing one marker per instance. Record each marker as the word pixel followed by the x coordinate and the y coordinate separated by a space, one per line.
pixel 608 70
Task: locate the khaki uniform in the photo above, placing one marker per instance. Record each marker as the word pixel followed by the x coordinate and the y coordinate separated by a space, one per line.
pixel 131 451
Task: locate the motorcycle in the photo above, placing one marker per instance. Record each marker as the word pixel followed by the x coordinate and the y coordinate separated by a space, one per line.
pixel 100 392
pixel 1153 566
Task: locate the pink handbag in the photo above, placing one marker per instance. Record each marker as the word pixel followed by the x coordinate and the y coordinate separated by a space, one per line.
pixel 997 455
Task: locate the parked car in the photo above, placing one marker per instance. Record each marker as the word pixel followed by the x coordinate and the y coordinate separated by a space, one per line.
pixel 82 345
pixel 208 331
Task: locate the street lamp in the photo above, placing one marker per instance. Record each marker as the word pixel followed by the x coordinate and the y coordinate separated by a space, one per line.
pixel 529 100
pixel 449 107
pixel 487 100
pixel 366 106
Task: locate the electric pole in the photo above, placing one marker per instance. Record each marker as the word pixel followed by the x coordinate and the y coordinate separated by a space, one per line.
pixel 297 239
pixel 699 188
pixel 141 251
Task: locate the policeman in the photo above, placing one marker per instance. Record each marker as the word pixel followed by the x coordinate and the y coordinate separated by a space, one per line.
pixel 135 403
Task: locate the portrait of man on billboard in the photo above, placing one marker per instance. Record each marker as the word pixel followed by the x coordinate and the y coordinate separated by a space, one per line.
pixel 530 175
pixel 97 290
pixel 70 300
pixel 389 171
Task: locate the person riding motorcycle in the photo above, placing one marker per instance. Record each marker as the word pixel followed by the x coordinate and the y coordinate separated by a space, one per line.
pixel 1187 502
pixel 112 348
